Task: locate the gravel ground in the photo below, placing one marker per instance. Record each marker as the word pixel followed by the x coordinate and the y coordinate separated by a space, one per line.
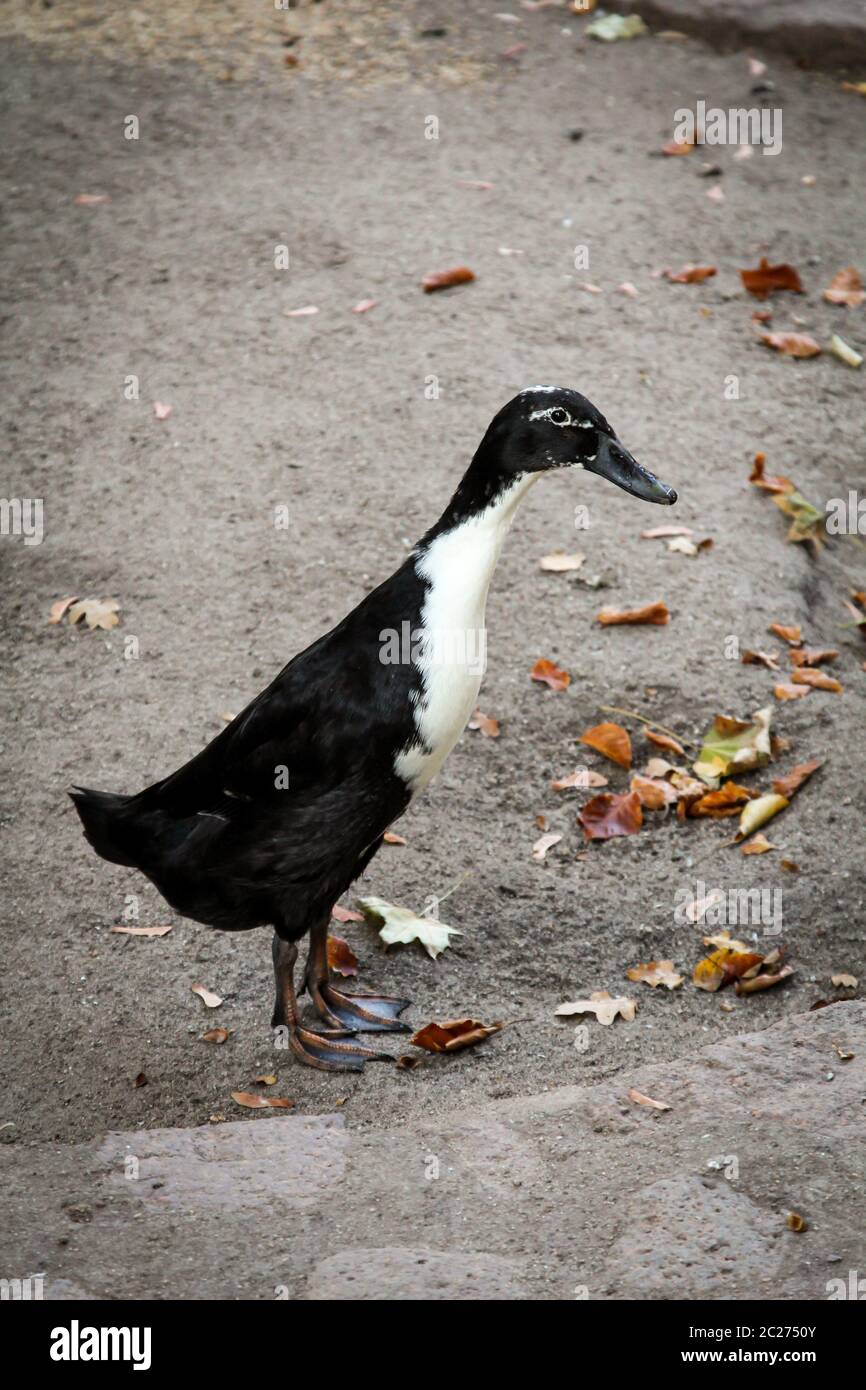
pixel 173 280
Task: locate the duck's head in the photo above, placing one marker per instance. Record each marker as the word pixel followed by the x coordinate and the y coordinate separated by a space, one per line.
pixel 548 427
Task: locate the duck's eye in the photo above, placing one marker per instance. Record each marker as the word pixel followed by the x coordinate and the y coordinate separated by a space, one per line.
pixel 559 417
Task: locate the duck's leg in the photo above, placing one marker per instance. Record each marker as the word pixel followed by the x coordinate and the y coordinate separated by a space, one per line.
pixel 363 1013
pixel 328 1051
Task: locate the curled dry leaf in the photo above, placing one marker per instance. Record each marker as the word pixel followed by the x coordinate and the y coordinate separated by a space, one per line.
pixel 259 1102
pixel 677 147
pixel 666 741
pixel 608 816
pixel 95 612
pixel 756 813
pixel 122 930
pixel 813 656
pixel 654 613
pixel 560 563
pixel 655 793
pixel 489 727
pixel 207 996
pixel 269 1080
pixel 341 957
pixel 215 1035
pixel 453 1034
pixel 656 533
pixel 795 1222
pixel 444 279
pixel 345 914
pixel 768 659
pixel 545 672
pixel 759 844
pixel 581 777
pixel 764 981
pixel 540 848
pixel 611 740
pixel 399 926
pixel 846 287
pixel 808 524
pixel 792 635
pixel 818 680
pixel 768 279
pixel 734 745
pixel 600 1003
pixel 844 981
pixel 724 802
pixel 640 1099
pixel 723 965
pixel 791 344
pixel 769 482
pixel 845 352
pixel 60 608
pixel 786 691
pixel 690 274
pixel 656 972
pixel 391 838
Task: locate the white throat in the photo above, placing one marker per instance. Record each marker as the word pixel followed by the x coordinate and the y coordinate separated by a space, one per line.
pixel 451 650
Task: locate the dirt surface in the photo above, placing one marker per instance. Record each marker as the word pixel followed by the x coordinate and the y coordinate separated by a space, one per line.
pixel 173 280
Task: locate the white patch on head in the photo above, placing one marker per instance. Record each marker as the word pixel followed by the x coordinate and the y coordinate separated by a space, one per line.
pixel 549 413
pixel 458 567
pixel 530 390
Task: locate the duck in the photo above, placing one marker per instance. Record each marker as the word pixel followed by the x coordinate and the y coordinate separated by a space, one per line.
pixel 271 823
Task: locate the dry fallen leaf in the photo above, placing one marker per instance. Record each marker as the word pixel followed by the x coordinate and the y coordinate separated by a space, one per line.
pixel 844 981
pixel 678 147
pixel 453 1034
pixel 764 981
pixel 540 848
pixel 640 1099
pixel 611 740
pixel 723 965
pixel 140 1080
pixel 364 306
pixel 656 972
pixel 551 675
pixel 792 635
pixel 818 680
pixel 690 274
pixel 791 344
pixel 666 741
pixel 756 813
pixel 656 533
pixel 161 410
pixel 215 1035
pixel 444 279
pixel 724 802
pixel 813 656
pixel 345 914
pixel 655 613
pixel 759 658
pixel 600 1003
pixel 61 607
pixel 607 816
pixel 95 612
pixel 734 745
pixel 399 926
pixel 391 838
pixel 786 691
pixel 560 563
pixel 759 844
pixel 795 1222
pixel 142 931
pixel 767 279
pixel 581 777
pixel 488 726
pixel 341 957
pixel 654 792
pixel 846 287
pixel 768 481
pixel 257 1102
pixel 269 1080
pixel 302 313
pixel 207 996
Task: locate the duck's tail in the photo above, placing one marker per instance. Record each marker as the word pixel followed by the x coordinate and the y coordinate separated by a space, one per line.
pixel 106 828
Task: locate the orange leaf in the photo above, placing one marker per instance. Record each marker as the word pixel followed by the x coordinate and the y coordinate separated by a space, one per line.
pixel 690 274
pixel 215 1035
pixel 640 1099
pixel 819 680
pixel 581 777
pixel 341 957
pixel 785 691
pixel 793 780
pixel 609 815
pixel 611 740
pixel 141 931
pixel 444 279
pixel 759 844
pixel 453 1034
pixel 768 482
pixel 391 838
pixel 813 656
pixel 791 635
pixel 768 659
pixel 254 1102
pixel 488 726
pixel 846 288
pixel 551 675
pixel 792 344
pixel 665 741
pixel 654 792
pixel 675 147
pixel 724 802
pixel 655 613
pixel 767 279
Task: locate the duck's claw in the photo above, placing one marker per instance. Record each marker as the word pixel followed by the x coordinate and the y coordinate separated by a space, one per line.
pixel 328 1052
pixel 363 1013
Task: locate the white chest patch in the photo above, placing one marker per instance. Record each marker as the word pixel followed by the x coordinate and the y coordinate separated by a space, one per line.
pixel 451 648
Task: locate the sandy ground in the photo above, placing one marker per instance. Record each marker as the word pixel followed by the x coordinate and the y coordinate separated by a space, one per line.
pixel 173 280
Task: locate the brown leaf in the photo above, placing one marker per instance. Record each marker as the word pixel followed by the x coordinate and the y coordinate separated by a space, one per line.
pixel 640 1099
pixel 768 659
pixel 607 816
pixel 656 972
pixel 846 287
pixel 759 982
pixel 790 864
pixel 791 344
pixel 655 613
pixel 140 1080
pixel 96 612
pixel 269 1080
pixel 444 279
pixel 759 844
pixel 207 996
pixel 819 680
pixel 767 279
pixel 453 1034
pixel 341 957
pixel 488 726
pixel 141 931
pixel 581 777
pixel 611 740
pixel 346 914
pixel 795 1222
pixel 724 802
pixel 690 274
pixel 256 1102
pixel 785 691
pixel 813 656
pixel 769 482
pixel 61 607
pixel 215 1035
pixel 600 1003
pixel 666 741
pixel 791 635
pixel 722 966
pixel 655 794
pixel 551 675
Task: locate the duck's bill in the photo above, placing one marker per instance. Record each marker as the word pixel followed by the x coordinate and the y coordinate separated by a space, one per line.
pixel 614 462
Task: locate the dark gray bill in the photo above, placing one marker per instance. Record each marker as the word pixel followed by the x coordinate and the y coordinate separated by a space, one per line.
pixel 613 461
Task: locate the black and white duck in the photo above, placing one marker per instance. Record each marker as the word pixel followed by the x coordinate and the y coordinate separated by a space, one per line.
pixel 273 820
